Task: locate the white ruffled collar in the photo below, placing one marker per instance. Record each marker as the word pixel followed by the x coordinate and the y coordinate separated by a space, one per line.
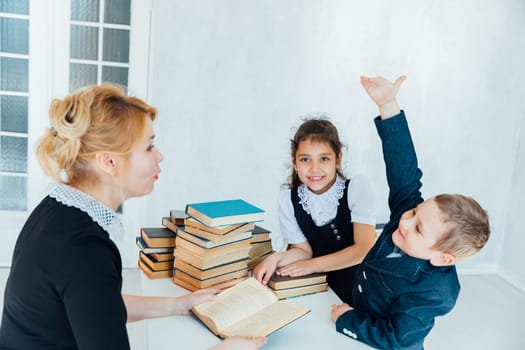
pixel 329 199
pixel 108 219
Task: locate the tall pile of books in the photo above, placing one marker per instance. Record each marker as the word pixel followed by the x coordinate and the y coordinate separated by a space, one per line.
pixel 157 244
pixel 213 247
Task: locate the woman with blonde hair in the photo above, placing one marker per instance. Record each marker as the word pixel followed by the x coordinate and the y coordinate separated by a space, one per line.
pixel 64 287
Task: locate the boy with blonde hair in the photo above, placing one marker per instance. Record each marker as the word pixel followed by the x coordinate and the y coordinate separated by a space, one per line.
pixel 408 277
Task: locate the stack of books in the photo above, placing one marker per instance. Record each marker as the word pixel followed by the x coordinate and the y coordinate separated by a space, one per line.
pixel 157 244
pixel 261 246
pixel 212 249
pixel 156 251
pixel 288 287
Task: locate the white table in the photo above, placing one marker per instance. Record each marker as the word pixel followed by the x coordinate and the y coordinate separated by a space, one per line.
pixel 314 330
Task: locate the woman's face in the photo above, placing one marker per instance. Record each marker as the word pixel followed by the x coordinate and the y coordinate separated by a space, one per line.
pixel 142 166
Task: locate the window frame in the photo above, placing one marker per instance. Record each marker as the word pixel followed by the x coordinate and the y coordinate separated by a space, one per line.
pixel 49 27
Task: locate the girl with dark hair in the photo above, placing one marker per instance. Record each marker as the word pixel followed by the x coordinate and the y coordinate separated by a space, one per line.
pixel 327 221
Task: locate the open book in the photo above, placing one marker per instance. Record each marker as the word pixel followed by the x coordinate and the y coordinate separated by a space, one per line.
pixel 247 309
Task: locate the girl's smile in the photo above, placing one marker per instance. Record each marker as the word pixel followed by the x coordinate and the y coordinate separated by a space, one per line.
pixel 316 178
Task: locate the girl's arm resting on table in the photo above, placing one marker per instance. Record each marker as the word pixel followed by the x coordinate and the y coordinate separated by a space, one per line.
pixel 142 307
pixel 297 251
pixel 364 238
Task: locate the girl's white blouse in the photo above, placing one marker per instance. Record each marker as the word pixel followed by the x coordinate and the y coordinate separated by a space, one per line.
pixel 323 207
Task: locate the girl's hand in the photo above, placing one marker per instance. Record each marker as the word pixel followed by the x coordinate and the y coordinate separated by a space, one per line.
pixel 184 304
pixel 265 269
pixel 298 268
pixel 338 310
pixel 241 343
pixel 383 93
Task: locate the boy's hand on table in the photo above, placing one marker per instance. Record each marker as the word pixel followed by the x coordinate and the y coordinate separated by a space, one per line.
pixel 338 310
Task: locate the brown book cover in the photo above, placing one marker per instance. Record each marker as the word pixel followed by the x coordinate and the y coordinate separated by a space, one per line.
pixel 158 257
pixel 154 274
pixel 215 251
pixel 260 248
pixel 150 250
pixel 192 288
pixel 156 265
pixel 299 291
pixel 247 309
pixel 210 282
pixel 281 282
pixel 166 222
pixel 157 237
pixel 178 216
pixel 220 238
pixel 211 261
pixel 211 272
pixel 219 230
pixel 260 234
pixel 206 243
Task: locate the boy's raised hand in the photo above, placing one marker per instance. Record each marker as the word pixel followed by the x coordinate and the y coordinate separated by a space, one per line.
pixel 383 92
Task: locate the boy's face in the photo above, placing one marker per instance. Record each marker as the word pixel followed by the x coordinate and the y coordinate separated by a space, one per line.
pixel 419 229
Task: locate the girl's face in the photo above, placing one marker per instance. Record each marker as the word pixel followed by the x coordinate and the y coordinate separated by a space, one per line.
pixel 142 165
pixel 316 164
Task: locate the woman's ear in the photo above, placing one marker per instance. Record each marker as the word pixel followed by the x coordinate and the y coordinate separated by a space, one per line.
pixel 106 162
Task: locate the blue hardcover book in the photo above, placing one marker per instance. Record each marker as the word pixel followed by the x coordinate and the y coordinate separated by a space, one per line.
pixel 227 212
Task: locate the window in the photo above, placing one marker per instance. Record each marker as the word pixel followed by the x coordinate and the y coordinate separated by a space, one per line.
pixel 99 42
pixel 14 93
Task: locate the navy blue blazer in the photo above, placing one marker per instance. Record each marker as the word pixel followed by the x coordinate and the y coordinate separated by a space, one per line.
pixel 397 299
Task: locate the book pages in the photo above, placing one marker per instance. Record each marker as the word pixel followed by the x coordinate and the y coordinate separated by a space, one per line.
pixel 267 320
pixel 237 303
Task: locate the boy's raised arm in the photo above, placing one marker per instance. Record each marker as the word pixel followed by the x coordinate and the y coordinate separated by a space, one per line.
pixel 402 172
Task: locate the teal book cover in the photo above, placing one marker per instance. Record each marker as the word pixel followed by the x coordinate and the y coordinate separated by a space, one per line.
pixel 226 212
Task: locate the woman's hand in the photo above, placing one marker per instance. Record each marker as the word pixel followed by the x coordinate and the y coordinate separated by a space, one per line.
pixel 184 304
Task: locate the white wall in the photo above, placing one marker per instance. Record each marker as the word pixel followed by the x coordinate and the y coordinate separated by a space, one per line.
pixel 511 265
pixel 231 77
